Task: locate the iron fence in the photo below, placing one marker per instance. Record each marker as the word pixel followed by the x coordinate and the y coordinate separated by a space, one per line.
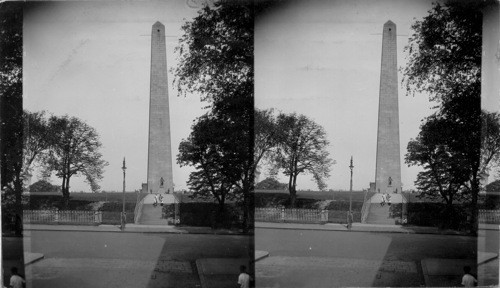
pixel 489 216
pixel 291 215
pixel 57 216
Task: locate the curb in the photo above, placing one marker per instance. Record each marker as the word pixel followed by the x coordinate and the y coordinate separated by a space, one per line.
pixel 259 255
pixel 361 229
pixel 30 258
pixel 199 269
pixel 115 229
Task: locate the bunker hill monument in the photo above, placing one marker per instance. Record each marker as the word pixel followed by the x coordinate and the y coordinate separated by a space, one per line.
pixel 388 165
pixel 160 176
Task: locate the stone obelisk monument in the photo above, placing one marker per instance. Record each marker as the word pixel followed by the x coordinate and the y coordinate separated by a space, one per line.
pixel 160 176
pixel 388 167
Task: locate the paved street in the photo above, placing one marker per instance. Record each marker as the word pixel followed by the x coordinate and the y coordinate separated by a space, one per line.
pixel 300 258
pixel 108 259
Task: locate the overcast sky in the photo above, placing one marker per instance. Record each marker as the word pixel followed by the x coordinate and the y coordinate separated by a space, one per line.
pixel 322 58
pixel 92 60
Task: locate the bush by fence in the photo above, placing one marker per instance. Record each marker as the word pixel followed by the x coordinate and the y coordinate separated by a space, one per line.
pixel 436 215
pixel 206 215
pixel 341 216
pixel 113 218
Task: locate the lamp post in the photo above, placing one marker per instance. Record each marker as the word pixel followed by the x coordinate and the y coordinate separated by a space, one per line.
pixel 350 189
pixel 123 203
pixel 349 216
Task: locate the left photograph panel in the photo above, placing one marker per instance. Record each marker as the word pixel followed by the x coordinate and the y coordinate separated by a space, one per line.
pixel 127 143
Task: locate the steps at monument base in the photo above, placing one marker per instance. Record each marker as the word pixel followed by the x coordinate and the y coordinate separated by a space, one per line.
pixel 379 215
pixel 151 215
pixel 162 222
pixel 395 198
pixel 167 198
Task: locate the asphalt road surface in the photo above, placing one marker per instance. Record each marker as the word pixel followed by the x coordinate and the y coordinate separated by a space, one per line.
pixel 107 259
pixel 305 258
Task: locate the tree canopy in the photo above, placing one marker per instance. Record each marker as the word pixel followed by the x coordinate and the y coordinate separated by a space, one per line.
pixel 216 54
pixel 11 110
pixel 216 62
pixel 271 183
pixel 302 148
pixel 11 61
pixel 44 186
pixel 446 171
pixel 217 171
pixel 74 150
pixel 266 136
pixel 36 138
pixel 445 51
pixel 444 62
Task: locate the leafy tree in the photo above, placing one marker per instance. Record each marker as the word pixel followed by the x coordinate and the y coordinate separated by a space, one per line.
pixel 36 138
pixel 445 51
pixel 44 186
pixel 271 183
pixel 493 186
pixel 216 54
pixel 302 149
pixel 11 131
pixel 445 62
pixel 216 62
pixel 266 136
pixel 490 140
pixel 217 171
pixel 446 171
pixel 74 151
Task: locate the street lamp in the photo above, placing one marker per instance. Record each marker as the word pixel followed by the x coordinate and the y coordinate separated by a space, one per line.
pixel 123 206
pixel 349 216
pixel 350 189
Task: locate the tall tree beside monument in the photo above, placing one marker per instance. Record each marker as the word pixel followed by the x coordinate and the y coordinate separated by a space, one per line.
pixel 445 63
pixel 36 137
pixel 302 148
pixel 74 150
pixel 216 62
pixel 217 171
pixel 11 110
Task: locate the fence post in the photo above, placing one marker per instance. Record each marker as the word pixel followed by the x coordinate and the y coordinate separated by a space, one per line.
pixel 177 216
pixel 282 214
pixel 56 215
pixel 324 216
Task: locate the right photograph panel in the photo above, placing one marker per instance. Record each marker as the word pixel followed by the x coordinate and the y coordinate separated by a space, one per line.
pixel 377 140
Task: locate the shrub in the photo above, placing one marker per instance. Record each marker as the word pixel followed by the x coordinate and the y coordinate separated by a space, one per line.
pixel 117 207
pixel 207 215
pixel 113 218
pixel 341 216
pixel 436 215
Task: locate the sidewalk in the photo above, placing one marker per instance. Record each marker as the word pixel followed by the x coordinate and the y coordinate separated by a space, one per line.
pixel 131 228
pixel 356 227
pixel 362 227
